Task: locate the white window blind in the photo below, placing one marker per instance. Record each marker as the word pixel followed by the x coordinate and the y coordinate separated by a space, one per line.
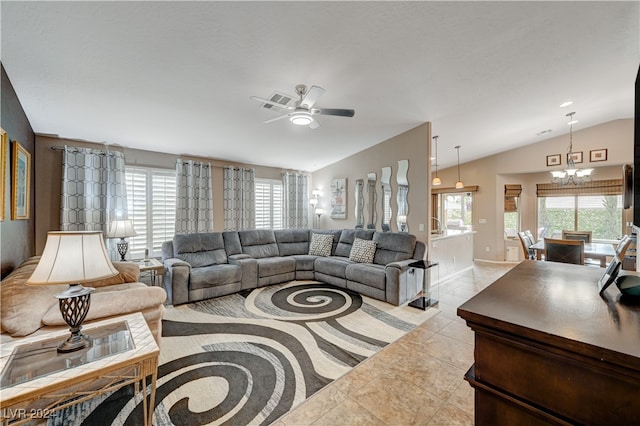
pixel 268 204
pixel 151 199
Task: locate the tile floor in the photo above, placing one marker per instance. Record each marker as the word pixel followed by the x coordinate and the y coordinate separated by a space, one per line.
pixel 417 380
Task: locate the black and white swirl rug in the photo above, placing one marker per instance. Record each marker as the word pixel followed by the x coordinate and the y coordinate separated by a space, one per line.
pixel 250 358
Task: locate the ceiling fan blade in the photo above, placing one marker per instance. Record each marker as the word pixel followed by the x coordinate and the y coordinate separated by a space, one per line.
pixel 276 119
pixel 334 111
pixel 268 102
pixel 312 96
pixel 314 124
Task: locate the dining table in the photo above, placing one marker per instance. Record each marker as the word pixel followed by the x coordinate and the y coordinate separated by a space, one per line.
pixel 597 251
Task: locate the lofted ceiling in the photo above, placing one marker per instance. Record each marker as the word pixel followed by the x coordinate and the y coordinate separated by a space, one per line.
pixel 176 77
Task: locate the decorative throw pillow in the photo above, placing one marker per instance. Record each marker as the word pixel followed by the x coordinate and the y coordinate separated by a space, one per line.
pixel 362 251
pixel 321 244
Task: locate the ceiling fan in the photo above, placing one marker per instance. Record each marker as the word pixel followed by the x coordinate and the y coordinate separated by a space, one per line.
pixel 301 112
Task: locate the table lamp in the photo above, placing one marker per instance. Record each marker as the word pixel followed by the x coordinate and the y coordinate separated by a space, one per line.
pixel 122 228
pixel 73 258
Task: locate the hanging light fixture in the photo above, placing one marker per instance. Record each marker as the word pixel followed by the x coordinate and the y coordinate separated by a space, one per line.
pixel 436 180
pixel 459 184
pixel 572 174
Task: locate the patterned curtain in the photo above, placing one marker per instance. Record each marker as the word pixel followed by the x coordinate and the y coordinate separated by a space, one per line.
pixel 194 197
pixel 295 187
pixel 239 198
pixel 94 191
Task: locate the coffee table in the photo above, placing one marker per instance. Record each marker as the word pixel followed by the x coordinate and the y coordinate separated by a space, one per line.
pixel 37 381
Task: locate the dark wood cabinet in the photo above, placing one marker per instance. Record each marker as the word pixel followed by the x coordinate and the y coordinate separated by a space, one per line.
pixel 550 350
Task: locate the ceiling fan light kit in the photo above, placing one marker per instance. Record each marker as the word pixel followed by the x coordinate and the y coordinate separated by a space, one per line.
pixel 302 113
pixel 300 118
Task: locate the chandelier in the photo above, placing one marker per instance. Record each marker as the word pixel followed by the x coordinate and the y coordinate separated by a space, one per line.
pixel 572 174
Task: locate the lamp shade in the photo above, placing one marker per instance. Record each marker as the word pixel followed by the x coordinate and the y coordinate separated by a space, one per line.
pixel 73 257
pixel 121 228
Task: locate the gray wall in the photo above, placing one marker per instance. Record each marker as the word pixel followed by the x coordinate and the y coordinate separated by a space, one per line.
pixel 16 236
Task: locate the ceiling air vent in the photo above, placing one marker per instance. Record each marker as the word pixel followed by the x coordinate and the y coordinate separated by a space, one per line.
pixel 282 99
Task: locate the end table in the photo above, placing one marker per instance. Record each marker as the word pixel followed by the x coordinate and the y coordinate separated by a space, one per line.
pixel 37 381
pixel 152 268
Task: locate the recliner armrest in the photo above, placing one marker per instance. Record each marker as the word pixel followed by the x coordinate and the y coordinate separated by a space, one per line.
pixel 174 262
pixel 402 264
pixel 249 267
pixel 176 280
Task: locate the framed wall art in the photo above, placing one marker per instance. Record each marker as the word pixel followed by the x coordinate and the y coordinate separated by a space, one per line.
pixel 554 160
pixel 339 198
pixel 3 172
pixel 598 155
pixel 577 157
pixel 20 175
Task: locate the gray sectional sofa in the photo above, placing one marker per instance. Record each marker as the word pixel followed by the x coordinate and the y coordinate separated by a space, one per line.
pixel 204 265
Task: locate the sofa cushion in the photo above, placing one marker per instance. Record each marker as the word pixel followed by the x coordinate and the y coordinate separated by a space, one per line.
pixel 348 236
pixel 333 266
pixel 200 249
pixel 128 272
pixel 292 241
pixel 371 274
pixel 232 242
pixel 259 243
pixel 304 262
pixel 321 244
pixel 362 251
pixel 23 306
pixel 214 275
pixel 393 247
pixel 269 266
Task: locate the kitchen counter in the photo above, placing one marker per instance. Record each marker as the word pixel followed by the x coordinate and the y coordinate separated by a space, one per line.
pixel 450 233
pixel 453 249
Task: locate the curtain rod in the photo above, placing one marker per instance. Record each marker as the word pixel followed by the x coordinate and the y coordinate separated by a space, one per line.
pixel 77 149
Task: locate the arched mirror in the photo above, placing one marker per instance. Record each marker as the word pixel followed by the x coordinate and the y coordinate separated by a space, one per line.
pixel 372 199
pixel 359 203
pixel 385 180
pixel 403 193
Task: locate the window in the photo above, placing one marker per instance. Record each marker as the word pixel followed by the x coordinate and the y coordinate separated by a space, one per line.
pixel 457 211
pixel 511 217
pixel 268 204
pixel 600 214
pixel 452 208
pixel 151 200
pixel 595 206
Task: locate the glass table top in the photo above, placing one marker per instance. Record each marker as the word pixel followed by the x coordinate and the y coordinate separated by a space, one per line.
pixel 38 359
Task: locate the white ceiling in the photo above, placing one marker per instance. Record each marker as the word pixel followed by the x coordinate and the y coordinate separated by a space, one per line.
pixel 176 76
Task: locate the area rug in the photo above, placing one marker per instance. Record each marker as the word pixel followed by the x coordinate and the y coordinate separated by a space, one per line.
pixel 247 359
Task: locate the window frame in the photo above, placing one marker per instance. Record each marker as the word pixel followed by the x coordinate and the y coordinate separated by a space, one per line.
pixel 273 203
pixel 152 243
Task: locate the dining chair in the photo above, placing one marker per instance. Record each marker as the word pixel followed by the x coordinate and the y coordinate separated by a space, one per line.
pixel 577 235
pixel 529 253
pixel 530 235
pixel 565 251
pixel 623 245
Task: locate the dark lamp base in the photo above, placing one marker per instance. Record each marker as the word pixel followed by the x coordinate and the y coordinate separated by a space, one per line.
pixel 75 343
pixel 123 247
pixel 422 303
pixel 74 305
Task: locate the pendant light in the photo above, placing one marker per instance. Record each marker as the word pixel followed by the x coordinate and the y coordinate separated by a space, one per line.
pixel 436 180
pixel 459 184
pixel 572 174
